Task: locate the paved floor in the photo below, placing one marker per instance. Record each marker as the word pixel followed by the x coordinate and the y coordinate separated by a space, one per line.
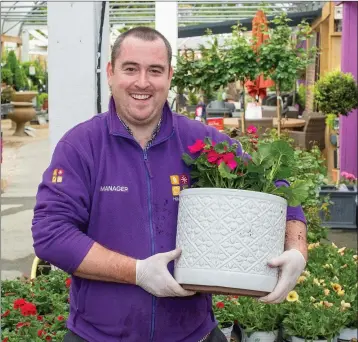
pixel 24 161
pixel 22 169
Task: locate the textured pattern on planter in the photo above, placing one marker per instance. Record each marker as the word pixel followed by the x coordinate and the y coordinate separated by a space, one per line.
pixel 230 233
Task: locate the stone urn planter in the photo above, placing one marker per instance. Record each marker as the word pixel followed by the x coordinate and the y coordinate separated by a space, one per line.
pixel 23 96
pixel 23 110
pixel 227 237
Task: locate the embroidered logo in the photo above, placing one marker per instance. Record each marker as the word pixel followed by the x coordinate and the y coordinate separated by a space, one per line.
pixel 174 179
pixel 113 188
pixel 57 176
pixel 178 183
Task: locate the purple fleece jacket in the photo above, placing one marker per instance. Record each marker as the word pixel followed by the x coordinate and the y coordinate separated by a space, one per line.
pixel 101 186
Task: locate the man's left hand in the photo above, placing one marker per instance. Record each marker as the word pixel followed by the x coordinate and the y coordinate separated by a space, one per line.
pixel 291 263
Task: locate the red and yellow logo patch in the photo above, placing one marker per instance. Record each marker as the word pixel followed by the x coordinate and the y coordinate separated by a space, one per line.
pixel 57 176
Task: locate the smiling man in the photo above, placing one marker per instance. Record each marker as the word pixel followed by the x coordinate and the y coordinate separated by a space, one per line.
pixel 107 208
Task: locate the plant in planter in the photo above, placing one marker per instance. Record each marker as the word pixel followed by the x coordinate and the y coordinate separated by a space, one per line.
pixel 281 59
pixel 336 93
pixel 223 309
pixel 258 320
pixel 234 218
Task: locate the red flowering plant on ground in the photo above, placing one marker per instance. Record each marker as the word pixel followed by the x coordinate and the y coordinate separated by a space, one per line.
pixel 35 310
pixel 219 165
pixel 224 309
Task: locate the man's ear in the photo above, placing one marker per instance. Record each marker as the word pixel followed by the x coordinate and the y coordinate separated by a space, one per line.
pixel 109 73
pixel 171 72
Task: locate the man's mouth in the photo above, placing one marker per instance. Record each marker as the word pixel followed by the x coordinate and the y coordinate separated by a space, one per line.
pixel 141 97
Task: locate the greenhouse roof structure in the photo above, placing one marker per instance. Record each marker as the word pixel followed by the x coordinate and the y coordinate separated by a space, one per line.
pixel 15 15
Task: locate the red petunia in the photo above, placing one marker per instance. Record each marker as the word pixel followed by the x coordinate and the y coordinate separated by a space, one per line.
pixel 251 129
pixel 41 332
pixel 28 309
pixel 197 147
pixel 229 159
pixel 220 305
pixel 19 303
pixel 40 318
pixel 48 338
pixel 60 318
pixel 6 313
pixel 68 282
pixel 6 339
pixel 213 156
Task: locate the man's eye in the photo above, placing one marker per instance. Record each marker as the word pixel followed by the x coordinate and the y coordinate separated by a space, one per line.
pixel 129 69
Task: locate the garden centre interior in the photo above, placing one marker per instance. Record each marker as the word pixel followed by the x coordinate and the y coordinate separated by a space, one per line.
pixel 53 76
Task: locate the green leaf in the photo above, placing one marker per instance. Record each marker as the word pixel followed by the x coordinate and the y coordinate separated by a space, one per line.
pixel 187 159
pixel 225 172
pixel 220 147
pixel 281 148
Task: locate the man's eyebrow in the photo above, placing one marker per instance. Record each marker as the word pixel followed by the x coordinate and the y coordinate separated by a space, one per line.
pixel 159 66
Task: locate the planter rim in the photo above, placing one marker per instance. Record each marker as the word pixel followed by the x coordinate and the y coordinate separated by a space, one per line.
pixel 232 192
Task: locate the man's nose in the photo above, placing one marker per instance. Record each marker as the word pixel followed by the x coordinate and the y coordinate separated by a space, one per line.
pixel 142 81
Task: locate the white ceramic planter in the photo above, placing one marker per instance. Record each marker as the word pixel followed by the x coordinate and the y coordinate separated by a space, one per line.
pixel 261 336
pixel 347 335
pixel 227 236
pixel 227 332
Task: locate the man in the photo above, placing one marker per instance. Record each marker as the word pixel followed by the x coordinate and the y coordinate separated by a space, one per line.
pixel 105 211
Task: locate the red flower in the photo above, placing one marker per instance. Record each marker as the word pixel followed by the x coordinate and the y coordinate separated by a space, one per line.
pixel 6 339
pixel 6 313
pixel 48 338
pixel 41 333
pixel 22 324
pixel 220 305
pixel 60 318
pixel 197 147
pixel 28 309
pixel 68 282
pixel 213 156
pixel 40 318
pixel 19 303
pixel 229 159
pixel 251 129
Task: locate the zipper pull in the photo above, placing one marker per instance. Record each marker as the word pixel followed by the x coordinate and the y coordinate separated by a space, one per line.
pixel 146 161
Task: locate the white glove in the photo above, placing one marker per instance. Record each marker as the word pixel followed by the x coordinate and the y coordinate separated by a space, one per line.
pixel 291 263
pixel 152 275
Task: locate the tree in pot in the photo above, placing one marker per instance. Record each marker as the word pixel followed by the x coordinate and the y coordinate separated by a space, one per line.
pixel 281 59
pixel 336 93
pixel 241 61
pixel 205 74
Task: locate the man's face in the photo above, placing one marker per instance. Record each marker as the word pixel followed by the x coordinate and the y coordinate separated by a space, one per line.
pixel 140 80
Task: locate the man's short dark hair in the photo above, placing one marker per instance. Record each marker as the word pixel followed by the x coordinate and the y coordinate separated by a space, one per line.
pixel 142 32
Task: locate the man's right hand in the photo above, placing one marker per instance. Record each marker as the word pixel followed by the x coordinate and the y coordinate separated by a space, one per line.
pixel 152 275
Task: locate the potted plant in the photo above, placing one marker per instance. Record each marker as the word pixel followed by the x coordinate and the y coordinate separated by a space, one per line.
pixel 342 210
pixel 223 309
pixel 6 94
pixel 233 219
pixel 281 59
pixel 257 320
pixel 336 93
